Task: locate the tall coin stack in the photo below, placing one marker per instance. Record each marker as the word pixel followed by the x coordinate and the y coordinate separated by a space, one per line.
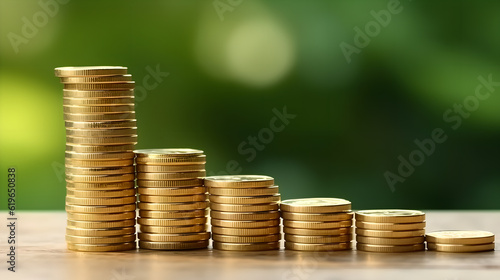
pixel 244 212
pixel 173 201
pixel 460 241
pixel 390 231
pixel 100 136
pixel 317 224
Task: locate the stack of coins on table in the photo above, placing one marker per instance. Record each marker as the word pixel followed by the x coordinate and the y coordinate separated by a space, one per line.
pixel 173 201
pixel 317 224
pixel 244 212
pixel 390 231
pixel 460 241
pixel 100 136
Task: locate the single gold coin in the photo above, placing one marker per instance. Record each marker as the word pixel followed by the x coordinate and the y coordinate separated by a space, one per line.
pixel 390 234
pixel 315 239
pixel 187 160
pixel 98 163
pixel 167 153
pixel 118 140
pixel 101 217
pixel 101 225
pixel 180 237
pixel 241 216
pixel 98 93
pixel 394 216
pixel 390 248
pixel 100 232
pixel 84 117
pixel 239 181
pixel 244 192
pixel 115 178
pixel 74 109
pixel 245 199
pixel 246 246
pixel 246 239
pixel 460 237
pixel 173 245
pixel 101 86
pixel 169 183
pixel 179 229
pixel 171 191
pixel 389 241
pixel 101 125
pixel 329 217
pixel 108 201
pixel 100 186
pixel 245 224
pixel 173 214
pixel 318 247
pixel 170 168
pixel 246 231
pixel 116 132
pixel 100 240
pixel 172 206
pixel 170 176
pixel 96 158
pixel 244 207
pixel 171 199
pixel 98 101
pixel 99 148
pixel 171 222
pixel 100 170
pixel 102 248
pixel 96 79
pixel 100 209
pixel 83 71
pixel 317 225
pixel 390 226
pixel 318 232
pixel 316 205
pixel 454 248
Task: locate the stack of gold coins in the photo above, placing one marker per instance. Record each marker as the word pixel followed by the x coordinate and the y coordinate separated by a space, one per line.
pixel 460 241
pixel 100 136
pixel 244 212
pixel 390 231
pixel 173 201
pixel 317 224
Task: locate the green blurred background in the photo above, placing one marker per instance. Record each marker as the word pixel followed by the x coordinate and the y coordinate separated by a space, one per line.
pixel 232 62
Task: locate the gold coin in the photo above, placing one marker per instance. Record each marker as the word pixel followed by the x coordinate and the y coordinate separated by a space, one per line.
pixel 90 71
pixel 170 176
pixel 317 225
pixel 101 186
pixel 100 201
pixel 96 79
pixel 244 192
pixel 173 214
pixel 173 245
pixel 115 132
pixel 172 206
pixel 100 194
pixel 315 239
pixel 74 109
pixel 101 86
pixel 100 217
pixel 329 217
pixel 315 205
pixel 98 149
pixel 100 240
pixel 454 248
pixel 245 199
pixel 245 224
pixel 100 171
pixel 390 248
pixel 119 116
pixel 118 140
pixel 460 237
pixel 167 153
pixel 318 232
pixel 101 225
pixel 170 199
pixel 101 125
pixel 98 101
pixel 97 158
pixel 189 160
pixel 390 241
pixel 98 163
pixel 98 93
pixel 100 232
pixel 170 168
pixel 100 209
pixel 390 234
pixel 181 229
pixel 239 181
pixel 389 226
pixel 246 239
pixel 318 247
pixel 244 208
pixel 171 191
pixel 390 216
pixel 246 246
pixel 246 231
pixel 181 237
pixel 102 248
pixel 251 216
pixel 171 222
pixel 99 178
pixel 169 183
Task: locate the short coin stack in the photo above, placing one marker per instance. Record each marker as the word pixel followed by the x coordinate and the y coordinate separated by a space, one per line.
pixel 460 241
pixel 390 231
pixel 100 136
pixel 244 212
pixel 317 224
pixel 173 201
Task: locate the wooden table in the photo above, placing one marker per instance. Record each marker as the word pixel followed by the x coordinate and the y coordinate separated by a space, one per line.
pixel 42 254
